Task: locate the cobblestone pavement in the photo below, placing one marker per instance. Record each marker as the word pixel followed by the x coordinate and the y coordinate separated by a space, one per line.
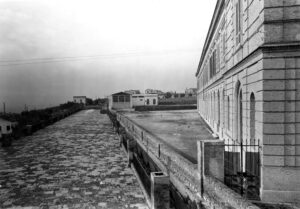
pixel 74 163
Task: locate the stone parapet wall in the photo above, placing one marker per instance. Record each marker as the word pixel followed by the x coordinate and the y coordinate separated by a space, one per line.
pixel 184 174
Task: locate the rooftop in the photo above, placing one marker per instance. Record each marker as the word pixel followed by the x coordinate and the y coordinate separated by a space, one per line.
pixel 4 121
pixel 79 96
pixel 180 129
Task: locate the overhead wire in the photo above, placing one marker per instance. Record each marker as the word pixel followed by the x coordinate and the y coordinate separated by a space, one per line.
pixel 79 58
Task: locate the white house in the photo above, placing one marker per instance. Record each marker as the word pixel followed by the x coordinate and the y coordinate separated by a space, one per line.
pixel 79 99
pixel 119 101
pixel 144 99
pixel 5 127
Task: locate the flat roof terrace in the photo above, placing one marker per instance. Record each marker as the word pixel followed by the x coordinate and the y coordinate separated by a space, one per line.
pixel 180 129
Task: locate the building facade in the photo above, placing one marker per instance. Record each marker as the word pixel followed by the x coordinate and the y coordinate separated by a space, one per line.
pixel 79 99
pixel 5 127
pixel 132 91
pixel 248 83
pixel 190 92
pixel 144 100
pixel 153 91
pixel 119 101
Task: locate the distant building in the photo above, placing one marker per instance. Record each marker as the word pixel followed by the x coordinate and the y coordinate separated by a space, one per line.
pixel 119 101
pixel 144 99
pixel 153 91
pixel 5 127
pixel 191 92
pixel 132 91
pixel 79 99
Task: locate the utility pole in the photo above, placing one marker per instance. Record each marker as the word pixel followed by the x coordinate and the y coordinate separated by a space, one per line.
pixel 3 107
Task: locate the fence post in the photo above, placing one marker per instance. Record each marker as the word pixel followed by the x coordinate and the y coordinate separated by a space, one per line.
pixel 200 159
pixel 160 190
pixel 130 150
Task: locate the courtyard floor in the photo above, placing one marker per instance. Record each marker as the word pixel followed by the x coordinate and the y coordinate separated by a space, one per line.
pixel 180 129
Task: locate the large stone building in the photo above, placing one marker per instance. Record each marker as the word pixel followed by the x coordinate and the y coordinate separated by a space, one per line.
pixel 248 82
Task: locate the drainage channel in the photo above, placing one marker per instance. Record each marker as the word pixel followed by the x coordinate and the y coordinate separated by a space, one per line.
pixel 145 168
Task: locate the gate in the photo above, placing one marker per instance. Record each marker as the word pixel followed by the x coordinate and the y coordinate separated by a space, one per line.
pixel 242 167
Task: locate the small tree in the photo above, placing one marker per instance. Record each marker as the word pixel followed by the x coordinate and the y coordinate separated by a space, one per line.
pixel 168 95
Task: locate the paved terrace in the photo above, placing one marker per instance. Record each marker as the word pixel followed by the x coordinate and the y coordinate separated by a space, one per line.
pixel 75 163
pixel 180 129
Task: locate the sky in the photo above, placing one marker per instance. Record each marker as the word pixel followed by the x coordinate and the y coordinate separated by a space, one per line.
pixel 51 50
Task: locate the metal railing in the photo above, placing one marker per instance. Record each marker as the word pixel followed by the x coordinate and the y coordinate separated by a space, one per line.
pixel 242 167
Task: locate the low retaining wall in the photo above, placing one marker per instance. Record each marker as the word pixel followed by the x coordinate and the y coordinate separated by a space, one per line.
pixel 165 107
pixel 191 180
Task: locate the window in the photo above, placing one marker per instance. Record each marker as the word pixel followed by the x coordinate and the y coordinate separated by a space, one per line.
pixel 127 98
pixel 228 113
pixel 148 101
pixel 154 101
pixel 238 21
pixel 252 118
pixel 218 58
pixel 115 99
pixel 8 128
pixel 121 99
pixel 212 64
pixel 224 46
pixel 0 128
pixel 224 108
pixel 218 108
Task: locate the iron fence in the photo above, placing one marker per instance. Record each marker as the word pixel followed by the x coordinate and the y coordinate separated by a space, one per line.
pixel 242 167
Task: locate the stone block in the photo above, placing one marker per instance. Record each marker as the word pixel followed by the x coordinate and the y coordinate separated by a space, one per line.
pixel 289 139
pixel 290 128
pixel 273 150
pixel 273 3
pixel 276 63
pixel 275 196
pixel 273 139
pixel 160 190
pixel 275 178
pixel 273 128
pixel 273 117
pixel 291 32
pixel 289 161
pixel 273 33
pixel 269 160
pixel 273 13
pixel 273 106
pixel 273 95
pixel 211 158
pixel 274 74
pixel 274 85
